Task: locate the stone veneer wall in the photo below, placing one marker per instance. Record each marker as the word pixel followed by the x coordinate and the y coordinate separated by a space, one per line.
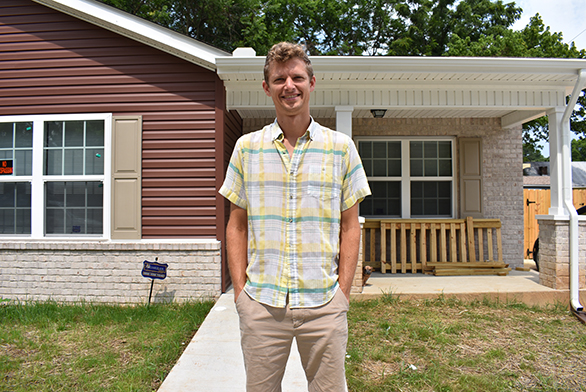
pixel 554 254
pixel 502 164
pixel 108 272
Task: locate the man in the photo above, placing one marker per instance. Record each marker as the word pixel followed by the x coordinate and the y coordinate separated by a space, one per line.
pixel 293 234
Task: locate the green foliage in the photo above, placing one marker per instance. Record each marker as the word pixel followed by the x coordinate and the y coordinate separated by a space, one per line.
pixel 532 153
pixel 430 26
pixel 156 11
pixel 579 149
pixel 359 27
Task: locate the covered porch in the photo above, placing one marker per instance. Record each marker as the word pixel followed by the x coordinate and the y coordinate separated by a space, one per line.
pixel 470 111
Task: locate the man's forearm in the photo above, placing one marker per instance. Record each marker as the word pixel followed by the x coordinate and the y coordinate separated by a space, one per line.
pixel 237 263
pixel 349 249
pixel 237 248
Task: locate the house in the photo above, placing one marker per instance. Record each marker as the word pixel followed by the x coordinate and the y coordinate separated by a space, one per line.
pixel 536 175
pixel 119 132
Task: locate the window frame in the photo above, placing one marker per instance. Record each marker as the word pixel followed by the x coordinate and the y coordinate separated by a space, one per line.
pixel 38 179
pixel 405 179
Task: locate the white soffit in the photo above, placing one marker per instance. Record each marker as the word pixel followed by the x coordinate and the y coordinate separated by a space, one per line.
pixel 433 70
pixel 513 89
pixel 140 30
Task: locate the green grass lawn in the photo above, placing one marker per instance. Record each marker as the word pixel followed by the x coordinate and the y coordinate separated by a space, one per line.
pixel 448 345
pixel 90 347
pixel 394 345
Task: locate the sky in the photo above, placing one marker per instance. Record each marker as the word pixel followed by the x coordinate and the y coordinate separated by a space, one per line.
pixel 565 16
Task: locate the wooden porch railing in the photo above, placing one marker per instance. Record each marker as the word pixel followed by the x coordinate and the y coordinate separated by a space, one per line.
pixel 422 245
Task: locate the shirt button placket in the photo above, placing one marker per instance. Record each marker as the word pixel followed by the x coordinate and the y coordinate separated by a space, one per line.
pixel 291 216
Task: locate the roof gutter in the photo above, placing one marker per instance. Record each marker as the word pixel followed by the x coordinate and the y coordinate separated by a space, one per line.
pixel 567 192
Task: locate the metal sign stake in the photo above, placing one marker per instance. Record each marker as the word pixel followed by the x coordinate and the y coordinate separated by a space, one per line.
pixel 151 293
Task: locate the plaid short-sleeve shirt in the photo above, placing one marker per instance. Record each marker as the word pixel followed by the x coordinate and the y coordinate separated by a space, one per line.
pixel 294 205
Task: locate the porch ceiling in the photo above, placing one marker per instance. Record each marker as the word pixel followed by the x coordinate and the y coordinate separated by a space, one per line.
pixel 391 113
pixel 513 89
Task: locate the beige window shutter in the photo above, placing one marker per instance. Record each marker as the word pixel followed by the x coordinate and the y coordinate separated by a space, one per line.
pixel 471 177
pixel 126 177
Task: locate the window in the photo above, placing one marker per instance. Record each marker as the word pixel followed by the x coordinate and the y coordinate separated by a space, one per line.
pixel 59 175
pixel 15 208
pixel 74 207
pixel 74 147
pixel 16 143
pixel 408 178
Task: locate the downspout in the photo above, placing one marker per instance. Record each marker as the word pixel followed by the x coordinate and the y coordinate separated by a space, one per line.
pixel 567 192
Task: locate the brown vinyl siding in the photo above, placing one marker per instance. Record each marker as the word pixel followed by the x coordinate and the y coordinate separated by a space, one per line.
pixel 51 63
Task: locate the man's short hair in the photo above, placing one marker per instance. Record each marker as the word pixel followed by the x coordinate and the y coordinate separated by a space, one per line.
pixel 283 52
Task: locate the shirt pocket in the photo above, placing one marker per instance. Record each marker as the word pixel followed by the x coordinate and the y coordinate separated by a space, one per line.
pixel 323 182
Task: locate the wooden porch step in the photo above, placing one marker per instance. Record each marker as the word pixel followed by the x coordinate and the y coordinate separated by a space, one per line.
pixel 471 271
pixel 480 264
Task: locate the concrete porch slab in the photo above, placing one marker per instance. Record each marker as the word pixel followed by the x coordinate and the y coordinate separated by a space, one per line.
pixel 521 286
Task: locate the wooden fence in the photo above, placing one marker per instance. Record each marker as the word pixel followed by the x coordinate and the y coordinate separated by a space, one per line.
pixel 537 202
pixel 415 245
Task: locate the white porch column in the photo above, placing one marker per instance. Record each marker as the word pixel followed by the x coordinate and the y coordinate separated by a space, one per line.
pixel 344 119
pixel 556 161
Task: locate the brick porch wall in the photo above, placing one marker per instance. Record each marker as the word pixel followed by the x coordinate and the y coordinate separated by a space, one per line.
pixel 554 254
pixel 108 272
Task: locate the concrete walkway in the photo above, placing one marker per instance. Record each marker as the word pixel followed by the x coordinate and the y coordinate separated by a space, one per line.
pixel 212 362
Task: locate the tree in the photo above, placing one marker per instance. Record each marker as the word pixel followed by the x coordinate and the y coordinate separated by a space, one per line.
pixel 431 25
pixel 154 10
pixel 579 149
pixel 532 154
pixel 325 27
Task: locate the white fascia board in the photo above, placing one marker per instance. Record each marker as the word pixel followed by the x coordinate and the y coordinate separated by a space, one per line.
pixel 140 30
pixel 448 64
pixel 229 67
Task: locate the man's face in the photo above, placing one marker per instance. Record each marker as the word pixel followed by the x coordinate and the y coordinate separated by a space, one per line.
pixel 289 87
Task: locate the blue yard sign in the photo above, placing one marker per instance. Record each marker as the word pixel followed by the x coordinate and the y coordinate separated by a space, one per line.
pixel 154 270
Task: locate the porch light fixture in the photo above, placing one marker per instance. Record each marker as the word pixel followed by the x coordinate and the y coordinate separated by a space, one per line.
pixel 378 113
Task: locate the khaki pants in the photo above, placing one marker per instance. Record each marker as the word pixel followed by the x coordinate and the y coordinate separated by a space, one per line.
pixel 267 334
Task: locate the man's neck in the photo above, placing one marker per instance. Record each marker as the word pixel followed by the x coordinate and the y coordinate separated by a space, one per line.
pixel 294 127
